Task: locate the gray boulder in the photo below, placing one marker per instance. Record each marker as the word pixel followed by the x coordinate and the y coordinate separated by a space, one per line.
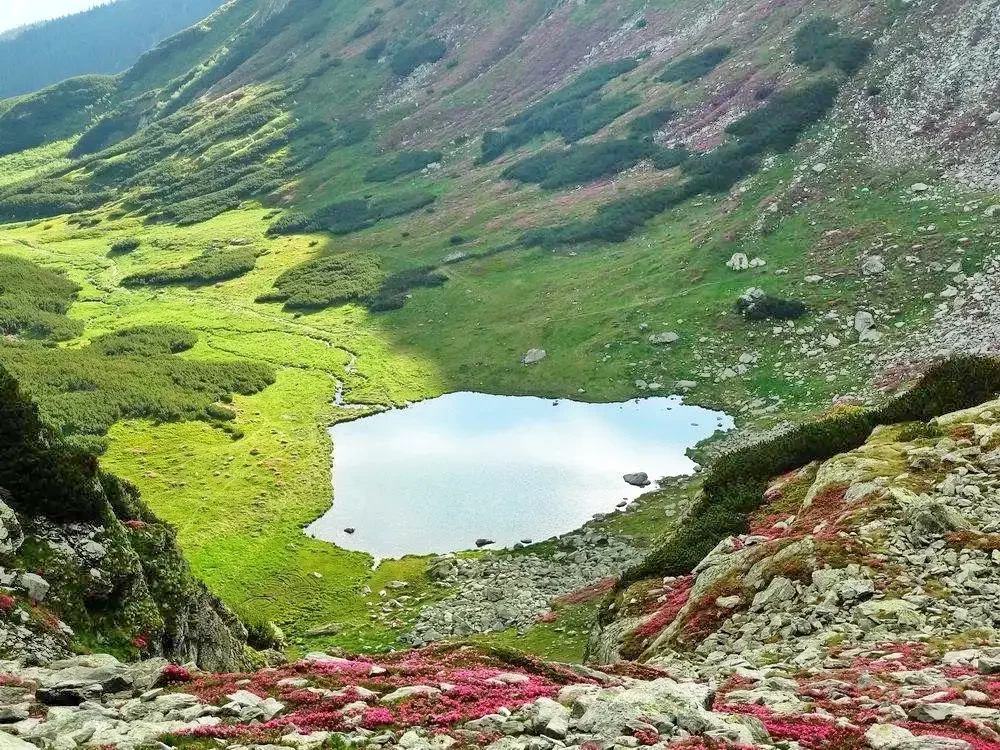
pixel 11 535
pixel 664 337
pixel 533 355
pixel 637 479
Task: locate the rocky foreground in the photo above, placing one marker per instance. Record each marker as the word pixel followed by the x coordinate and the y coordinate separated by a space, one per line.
pixel 861 611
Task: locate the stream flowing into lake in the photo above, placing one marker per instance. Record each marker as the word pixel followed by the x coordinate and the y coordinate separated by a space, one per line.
pixel 440 474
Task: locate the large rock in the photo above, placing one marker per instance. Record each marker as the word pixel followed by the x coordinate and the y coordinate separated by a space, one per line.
pixel 664 337
pixel 663 703
pixel 36 587
pixel 637 479
pixel 11 535
pixel 532 356
pixel 738 262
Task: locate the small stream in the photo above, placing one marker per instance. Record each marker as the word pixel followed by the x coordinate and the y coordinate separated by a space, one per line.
pixel 438 475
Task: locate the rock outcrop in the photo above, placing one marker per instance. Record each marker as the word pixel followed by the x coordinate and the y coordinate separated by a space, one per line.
pixel 82 560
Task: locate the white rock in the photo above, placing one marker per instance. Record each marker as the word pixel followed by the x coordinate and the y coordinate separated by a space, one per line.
pixel 919 187
pixel 738 262
pixel 533 355
pixel 664 337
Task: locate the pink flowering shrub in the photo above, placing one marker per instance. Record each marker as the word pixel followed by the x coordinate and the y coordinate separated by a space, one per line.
pixel 173 673
pixel 472 684
pixel 588 593
pixel 6 602
pixel 136 525
pixel 674 602
pixel 646 736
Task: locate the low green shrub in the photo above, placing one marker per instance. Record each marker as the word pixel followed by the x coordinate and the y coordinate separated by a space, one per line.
pixel 328 280
pixel 208 268
pixel 34 301
pixel 408 58
pixel 366 27
pixel 768 307
pixel 818 44
pixel 405 162
pixel 352 215
pixel 145 341
pixel 126 246
pixel 393 293
pixel 375 50
pixel 645 126
pixel 693 67
pixel 581 163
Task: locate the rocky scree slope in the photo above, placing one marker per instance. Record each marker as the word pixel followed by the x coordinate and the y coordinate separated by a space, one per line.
pixel 83 563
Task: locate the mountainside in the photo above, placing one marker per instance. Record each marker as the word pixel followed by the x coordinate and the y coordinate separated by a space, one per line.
pixel 106 39
pixel 299 212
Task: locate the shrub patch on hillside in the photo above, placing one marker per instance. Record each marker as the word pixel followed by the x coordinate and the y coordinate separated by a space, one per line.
pixel 645 126
pixel 352 215
pixel 208 268
pixel 329 280
pixel 590 161
pixel 819 43
pixel 410 57
pixel 405 162
pixel 34 301
pixel 693 67
pixel 774 127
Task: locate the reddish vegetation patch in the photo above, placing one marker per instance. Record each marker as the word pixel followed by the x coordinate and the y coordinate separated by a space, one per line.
pixel 467 677
pixel 588 593
pixel 973 540
pixel 823 517
pixel 674 602
pixel 849 699
pixel 6 602
pixel 809 730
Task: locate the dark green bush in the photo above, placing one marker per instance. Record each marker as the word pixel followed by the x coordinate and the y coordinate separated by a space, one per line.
pixel 581 163
pixel 366 27
pixel 818 44
pixel 394 290
pixel 374 52
pixel 34 301
pixel 126 246
pixel 767 307
pixel 693 67
pixel 405 162
pixel 735 484
pixel 293 222
pixel 328 280
pixel 410 57
pixel 644 126
pixel 209 267
pixel 145 341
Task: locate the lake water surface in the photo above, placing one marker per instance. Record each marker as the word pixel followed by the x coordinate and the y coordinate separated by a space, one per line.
pixel 438 475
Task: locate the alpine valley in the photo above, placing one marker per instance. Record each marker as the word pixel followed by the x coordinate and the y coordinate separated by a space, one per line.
pixel 654 343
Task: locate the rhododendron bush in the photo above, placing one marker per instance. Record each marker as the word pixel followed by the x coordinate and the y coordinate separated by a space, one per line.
pixel 472 684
